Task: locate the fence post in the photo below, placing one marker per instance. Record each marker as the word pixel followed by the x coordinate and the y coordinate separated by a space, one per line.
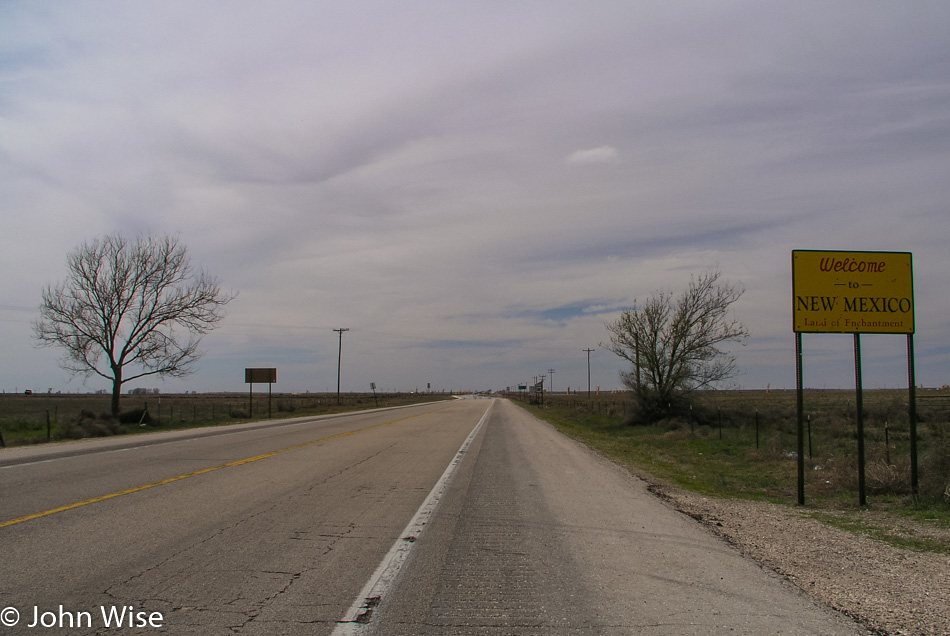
pixel 49 433
pixel 887 446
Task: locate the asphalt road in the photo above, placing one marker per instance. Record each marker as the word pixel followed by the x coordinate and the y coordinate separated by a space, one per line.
pixel 463 517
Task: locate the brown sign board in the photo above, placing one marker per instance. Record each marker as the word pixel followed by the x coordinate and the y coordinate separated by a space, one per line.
pixel 852 292
pixel 260 376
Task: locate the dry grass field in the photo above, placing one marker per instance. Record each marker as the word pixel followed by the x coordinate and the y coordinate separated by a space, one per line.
pixel 40 418
pixel 735 442
pixel 745 442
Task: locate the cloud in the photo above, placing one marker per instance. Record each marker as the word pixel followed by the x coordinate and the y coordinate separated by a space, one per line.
pixel 603 154
pixel 417 174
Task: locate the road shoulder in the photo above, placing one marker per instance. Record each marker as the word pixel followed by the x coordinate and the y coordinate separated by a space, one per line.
pixel 542 535
pixel 888 589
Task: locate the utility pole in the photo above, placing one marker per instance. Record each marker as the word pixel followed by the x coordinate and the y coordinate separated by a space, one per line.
pixel 551 371
pixel 588 369
pixel 339 363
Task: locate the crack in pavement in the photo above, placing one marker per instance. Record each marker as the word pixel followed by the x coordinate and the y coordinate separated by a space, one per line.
pixel 248 518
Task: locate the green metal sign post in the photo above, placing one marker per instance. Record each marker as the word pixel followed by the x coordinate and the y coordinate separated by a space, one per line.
pixel 854 292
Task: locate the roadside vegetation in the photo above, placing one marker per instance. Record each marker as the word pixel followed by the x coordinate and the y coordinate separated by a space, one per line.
pixel 130 309
pixel 42 418
pixel 673 344
pixel 742 444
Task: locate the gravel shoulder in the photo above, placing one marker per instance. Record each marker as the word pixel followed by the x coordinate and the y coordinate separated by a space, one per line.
pixel 887 589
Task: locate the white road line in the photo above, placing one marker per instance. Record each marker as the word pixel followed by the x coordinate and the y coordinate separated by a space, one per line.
pixel 385 575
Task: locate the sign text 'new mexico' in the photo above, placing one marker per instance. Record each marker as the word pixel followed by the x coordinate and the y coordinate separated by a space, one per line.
pixel 852 292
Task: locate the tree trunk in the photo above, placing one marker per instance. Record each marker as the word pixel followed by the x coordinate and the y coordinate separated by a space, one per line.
pixel 116 391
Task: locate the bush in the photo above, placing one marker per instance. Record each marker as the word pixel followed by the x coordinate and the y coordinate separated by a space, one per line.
pixel 672 424
pixel 882 478
pixel 935 464
pixel 88 425
pixel 136 416
pixel 891 410
pixel 70 430
pixel 102 427
pixel 95 428
pixel 652 407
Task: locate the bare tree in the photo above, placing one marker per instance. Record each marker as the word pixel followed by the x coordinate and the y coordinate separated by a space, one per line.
pixel 674 343
pixel 130 309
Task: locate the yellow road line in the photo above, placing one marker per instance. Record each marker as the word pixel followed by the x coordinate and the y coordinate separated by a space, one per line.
pixel 239 462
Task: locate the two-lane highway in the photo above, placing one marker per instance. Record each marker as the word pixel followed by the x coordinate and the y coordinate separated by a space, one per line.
pixel 270 530
pixel 463 517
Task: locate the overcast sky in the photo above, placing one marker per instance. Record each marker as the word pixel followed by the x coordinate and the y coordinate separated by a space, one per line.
pixel 474 188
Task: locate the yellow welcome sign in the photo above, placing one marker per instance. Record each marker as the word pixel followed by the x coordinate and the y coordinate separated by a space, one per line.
pixel 852 292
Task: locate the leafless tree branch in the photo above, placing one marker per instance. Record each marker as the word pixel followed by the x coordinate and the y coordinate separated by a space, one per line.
pixel 129 309
pixel 675 346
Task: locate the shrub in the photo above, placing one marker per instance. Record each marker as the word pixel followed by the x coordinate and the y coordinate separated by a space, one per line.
pixel 935 464
pixel 95 428
pixel 69 430
pixel 672 424
pixel 887 479
pixel 135 416
pixel 88 425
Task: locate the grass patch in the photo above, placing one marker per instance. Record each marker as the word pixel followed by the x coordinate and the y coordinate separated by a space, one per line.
pixel 737 456
pixel 23 418
pixel 900 535
pixel 937 515
pixel 693 459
